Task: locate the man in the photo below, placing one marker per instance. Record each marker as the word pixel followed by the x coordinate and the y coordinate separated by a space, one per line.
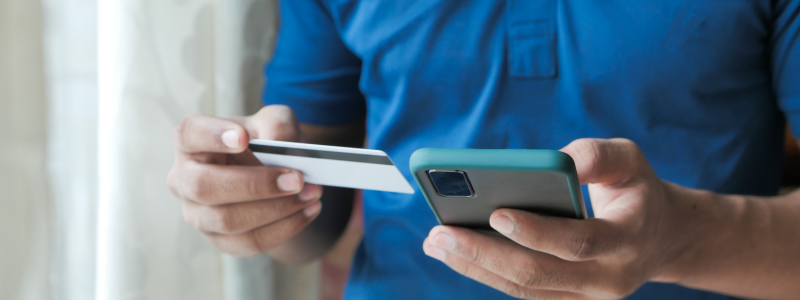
pixel 700 90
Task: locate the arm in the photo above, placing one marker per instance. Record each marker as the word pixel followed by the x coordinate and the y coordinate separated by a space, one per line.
pixel 645 230
pixel 747 246
pixel 750 246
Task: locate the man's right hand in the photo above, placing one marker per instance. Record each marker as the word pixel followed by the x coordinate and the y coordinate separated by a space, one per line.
pixel 242 207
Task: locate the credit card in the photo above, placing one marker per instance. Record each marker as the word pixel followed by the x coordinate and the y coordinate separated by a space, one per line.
pixel 334 166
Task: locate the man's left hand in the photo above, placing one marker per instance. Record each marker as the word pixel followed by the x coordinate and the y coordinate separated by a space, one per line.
pixel 638 231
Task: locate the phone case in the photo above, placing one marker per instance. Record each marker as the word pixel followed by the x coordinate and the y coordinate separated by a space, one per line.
pixel 539 181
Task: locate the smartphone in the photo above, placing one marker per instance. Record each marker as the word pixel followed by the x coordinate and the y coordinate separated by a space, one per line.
pixel 464 186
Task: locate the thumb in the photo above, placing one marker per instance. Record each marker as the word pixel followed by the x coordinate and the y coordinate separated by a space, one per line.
pixel 608 162
pixel 274 122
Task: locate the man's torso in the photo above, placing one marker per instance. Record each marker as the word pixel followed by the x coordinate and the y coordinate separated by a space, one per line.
pixel 688 80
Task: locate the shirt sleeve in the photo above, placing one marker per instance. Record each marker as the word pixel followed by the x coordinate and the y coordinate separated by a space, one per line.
pixel 312 71
pixel 785 47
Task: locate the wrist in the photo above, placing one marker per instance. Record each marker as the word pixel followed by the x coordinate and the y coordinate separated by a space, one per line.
pixel 699 223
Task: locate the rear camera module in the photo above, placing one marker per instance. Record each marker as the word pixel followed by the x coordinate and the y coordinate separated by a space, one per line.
pixel 451 183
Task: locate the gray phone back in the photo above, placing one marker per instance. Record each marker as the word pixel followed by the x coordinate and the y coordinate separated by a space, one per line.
pixel 546 193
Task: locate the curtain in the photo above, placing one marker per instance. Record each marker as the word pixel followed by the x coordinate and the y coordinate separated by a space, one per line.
pixel 70 40
pixel 89 93
pixel 160 60
pixel 24 200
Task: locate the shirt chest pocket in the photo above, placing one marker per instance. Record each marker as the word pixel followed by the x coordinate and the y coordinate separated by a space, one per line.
pixel 531 30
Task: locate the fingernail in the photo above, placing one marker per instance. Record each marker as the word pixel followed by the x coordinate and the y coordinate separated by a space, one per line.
pixel 310 192
pixel 231 139
pixel 289 182
pixel 436 253
pixel 312 210
pixel 502 224
pixel 444 241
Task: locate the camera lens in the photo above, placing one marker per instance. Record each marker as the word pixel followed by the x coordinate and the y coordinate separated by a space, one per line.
pixel 451 183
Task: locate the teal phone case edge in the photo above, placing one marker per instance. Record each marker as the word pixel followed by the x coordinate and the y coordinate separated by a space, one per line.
pixel 500 160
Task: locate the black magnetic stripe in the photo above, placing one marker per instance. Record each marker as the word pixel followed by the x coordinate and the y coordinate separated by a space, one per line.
pixel 362 158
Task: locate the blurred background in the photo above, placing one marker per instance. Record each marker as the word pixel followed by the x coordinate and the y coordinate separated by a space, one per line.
pixel 89 93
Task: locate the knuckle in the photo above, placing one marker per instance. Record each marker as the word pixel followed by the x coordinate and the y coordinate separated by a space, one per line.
pixel 267 238
pixel 587 147
pixel 589 153
pixel 528 276
pixel 469 271
pixel 282 129
pixel 223 219
pixel 476 256
pixel 284 207
pixel 583 246
pixel 627 143
pixel 250 248
pixel 629 147
pixel 621 289
pixel 198 187
pixel 280 110
pixel 516 291
pixel 279 122
pixel 257 185
pixel 593 151
pixel 634 155
pixel 262 243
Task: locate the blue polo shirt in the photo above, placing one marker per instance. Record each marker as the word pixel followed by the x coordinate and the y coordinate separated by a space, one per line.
pixel 704 87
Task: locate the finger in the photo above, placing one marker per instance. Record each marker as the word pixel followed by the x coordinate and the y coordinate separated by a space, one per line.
pixel 609 162
pixel 477 273
pixel 517 264
pixel 242 217
pixel 267 237
pixel 200 133
pixel 568 239
pixel 217 184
